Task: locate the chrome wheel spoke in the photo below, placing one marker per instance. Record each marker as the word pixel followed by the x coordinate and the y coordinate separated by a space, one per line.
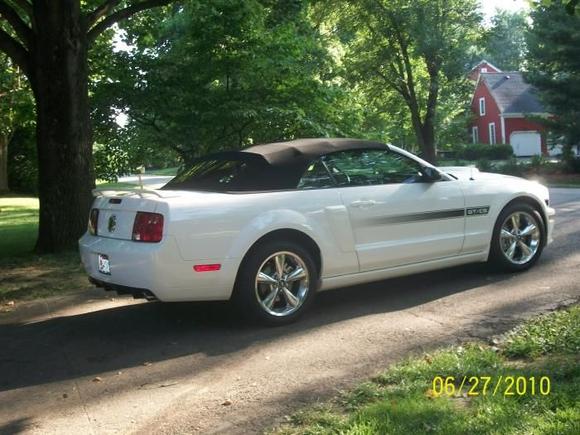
pixel 528 230
pixel 296 274
pixel 505 234
pixel 526 251
pixel 280 261
pixel 516 223
pixel 511 250
pixel 264 278
pixel 291 300
pixel 269 300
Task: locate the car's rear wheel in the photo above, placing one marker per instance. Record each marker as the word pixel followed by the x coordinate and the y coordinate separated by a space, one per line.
pixel 276 283
pixel 518 238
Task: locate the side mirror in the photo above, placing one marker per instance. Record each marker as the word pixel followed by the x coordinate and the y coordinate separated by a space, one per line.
pixel 430 174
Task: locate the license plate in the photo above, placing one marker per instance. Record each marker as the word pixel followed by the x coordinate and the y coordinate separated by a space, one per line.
pixel 104 266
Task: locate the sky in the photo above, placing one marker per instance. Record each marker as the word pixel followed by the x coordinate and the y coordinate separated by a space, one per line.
pixel 488 7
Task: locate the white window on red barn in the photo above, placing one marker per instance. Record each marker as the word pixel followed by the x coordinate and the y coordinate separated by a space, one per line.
pixel 475 134
pixel 482 106
pixel 492 133
pixel 483 70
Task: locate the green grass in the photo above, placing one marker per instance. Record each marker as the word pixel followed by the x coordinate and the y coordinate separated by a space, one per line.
pixel 165 171
pixel 117 185
pixel 401 400
pixel 18 225
pixel 23 275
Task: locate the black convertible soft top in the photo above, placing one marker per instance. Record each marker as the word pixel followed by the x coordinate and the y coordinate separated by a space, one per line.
pixel 270 166
pixel 297 151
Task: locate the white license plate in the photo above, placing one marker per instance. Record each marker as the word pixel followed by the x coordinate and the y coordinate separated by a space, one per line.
pixel 104 266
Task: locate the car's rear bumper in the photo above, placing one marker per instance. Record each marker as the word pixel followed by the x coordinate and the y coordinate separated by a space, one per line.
pixel 137 293
pixel 156 268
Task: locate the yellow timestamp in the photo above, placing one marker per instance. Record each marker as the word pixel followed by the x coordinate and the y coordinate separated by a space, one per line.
pixel 491 385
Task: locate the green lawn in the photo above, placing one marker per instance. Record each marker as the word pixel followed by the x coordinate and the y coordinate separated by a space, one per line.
pixel 117 185
pixel 166 171
pixel 24 275
pixel 18 225
pixel 403 399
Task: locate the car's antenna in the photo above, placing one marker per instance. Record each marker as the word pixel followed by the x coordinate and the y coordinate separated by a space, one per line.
pixel 471 173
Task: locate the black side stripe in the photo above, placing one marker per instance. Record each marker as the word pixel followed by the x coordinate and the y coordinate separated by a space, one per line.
pixel 429 216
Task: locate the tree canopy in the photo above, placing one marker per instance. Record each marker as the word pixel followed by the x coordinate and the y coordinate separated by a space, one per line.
pixel 104 86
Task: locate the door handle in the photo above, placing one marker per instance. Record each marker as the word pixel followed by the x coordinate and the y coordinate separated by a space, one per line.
pixel 363 203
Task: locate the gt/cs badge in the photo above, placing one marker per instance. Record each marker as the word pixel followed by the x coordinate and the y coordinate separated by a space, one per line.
pixel 477 211
pixel 112 223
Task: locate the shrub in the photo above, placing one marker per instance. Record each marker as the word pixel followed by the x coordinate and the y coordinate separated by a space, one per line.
pixel 511 167
pixel 485 151
pixel 484 165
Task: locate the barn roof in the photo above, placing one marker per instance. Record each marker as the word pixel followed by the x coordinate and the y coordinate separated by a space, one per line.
pixel 512 93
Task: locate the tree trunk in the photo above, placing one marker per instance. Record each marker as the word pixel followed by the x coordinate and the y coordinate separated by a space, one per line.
pixel 3 163
pixel 59 78
pixel 428 145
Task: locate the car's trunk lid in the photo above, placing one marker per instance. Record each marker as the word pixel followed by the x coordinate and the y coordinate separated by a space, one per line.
pixel 118 208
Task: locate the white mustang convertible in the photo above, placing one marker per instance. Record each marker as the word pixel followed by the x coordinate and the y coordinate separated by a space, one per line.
pixel 271 225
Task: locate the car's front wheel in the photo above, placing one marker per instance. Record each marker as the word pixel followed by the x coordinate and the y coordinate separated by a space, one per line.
pixel 276 283
pixel 518 238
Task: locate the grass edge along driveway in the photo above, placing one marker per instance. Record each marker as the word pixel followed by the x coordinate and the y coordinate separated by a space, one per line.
pixel 405 399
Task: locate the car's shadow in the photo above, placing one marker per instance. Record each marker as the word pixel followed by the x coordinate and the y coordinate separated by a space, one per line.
pixel 68 347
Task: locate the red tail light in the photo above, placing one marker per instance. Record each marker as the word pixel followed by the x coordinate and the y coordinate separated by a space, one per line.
pixel 148 227
pixel 93 221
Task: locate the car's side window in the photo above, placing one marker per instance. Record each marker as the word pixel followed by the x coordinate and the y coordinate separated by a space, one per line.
pixel 371 167
pixel 360 168
pixel 316 176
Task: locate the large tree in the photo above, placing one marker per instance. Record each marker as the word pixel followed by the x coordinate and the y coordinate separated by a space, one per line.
pixel 411 47
pixel 49 41
pixel 227 74
pixel 504 43
pixel 554 66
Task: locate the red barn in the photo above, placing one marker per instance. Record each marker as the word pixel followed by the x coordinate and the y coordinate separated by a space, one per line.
pixel 502 103
pixel 482 67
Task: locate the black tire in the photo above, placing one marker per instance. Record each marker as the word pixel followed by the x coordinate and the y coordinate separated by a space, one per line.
pixel 497 257
pixel 247 291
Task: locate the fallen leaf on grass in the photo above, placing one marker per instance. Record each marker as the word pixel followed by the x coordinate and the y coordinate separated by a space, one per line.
pixel 431 394
pixel 98 379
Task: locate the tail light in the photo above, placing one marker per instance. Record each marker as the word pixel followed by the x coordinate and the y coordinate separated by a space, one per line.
pixel 148 227
pixel 93 221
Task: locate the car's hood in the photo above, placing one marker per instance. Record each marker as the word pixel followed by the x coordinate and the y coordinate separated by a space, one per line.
pixel 472 173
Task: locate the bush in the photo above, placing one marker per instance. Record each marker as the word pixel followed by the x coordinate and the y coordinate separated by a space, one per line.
pixel 511 167
pixel 484 165
pixel 485 151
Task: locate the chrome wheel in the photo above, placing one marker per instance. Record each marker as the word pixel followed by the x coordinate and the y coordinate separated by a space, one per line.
pixel 282 284
pixel 520 237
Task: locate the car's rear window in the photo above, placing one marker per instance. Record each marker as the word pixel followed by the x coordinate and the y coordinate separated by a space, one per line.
pixel 230 175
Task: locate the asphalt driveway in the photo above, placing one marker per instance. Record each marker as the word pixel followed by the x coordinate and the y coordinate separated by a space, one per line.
pixel 92 364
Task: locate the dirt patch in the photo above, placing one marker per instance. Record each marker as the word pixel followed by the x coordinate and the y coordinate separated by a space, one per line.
pixel 39 276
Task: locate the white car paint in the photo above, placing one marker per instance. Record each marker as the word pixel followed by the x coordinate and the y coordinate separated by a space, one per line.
pixel 358 230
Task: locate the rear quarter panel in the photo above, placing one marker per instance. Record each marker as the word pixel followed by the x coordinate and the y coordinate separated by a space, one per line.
pixel 225 226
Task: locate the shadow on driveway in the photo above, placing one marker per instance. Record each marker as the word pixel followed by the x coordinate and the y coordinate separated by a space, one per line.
pixel 114 339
